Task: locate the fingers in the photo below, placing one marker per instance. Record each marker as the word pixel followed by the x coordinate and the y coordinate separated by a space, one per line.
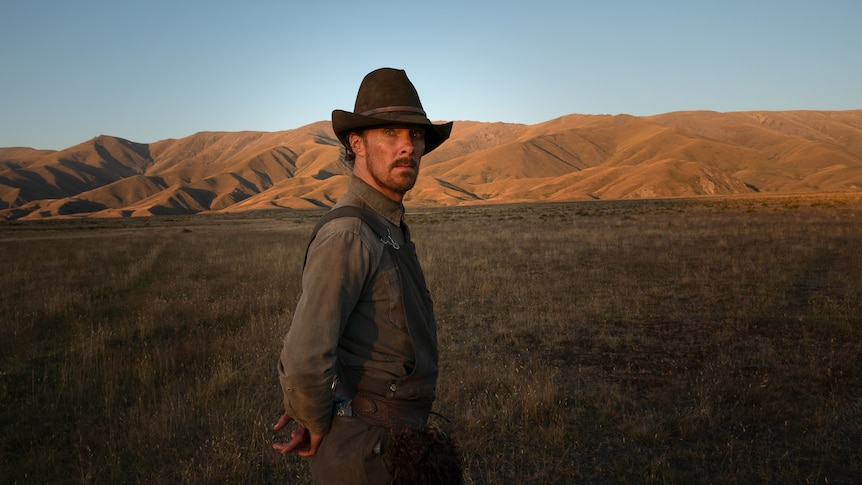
pixel 291 446
pixel 302 442
pixel 282 422
pixel 313 445
pixel 299 440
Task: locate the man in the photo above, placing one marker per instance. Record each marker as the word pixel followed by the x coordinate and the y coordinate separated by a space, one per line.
pixel 359 364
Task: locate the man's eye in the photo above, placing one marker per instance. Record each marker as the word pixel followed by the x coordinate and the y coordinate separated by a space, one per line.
pixel 388 132
pixel 419 134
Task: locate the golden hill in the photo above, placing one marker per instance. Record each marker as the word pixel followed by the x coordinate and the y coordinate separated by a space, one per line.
pixel 575 157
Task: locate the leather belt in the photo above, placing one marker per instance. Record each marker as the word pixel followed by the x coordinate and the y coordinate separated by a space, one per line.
pixel 390 413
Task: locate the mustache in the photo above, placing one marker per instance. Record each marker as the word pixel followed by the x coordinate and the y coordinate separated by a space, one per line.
pixel 405 162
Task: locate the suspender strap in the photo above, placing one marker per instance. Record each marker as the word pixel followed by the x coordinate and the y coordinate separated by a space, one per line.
pixel 352 211
pixel 378 226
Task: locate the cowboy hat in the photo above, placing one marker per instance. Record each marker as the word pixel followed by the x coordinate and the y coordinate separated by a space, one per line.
pixel 385 97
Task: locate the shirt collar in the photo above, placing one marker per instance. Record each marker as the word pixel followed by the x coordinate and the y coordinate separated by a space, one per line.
pixel 374 200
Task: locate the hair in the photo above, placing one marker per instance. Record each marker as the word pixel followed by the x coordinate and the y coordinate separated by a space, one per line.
pixel 425 457
pixel 348 158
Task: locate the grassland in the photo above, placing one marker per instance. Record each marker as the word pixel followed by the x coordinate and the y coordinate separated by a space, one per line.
pixel 664 341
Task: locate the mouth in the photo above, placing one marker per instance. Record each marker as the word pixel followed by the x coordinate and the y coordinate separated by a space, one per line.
pixel 404 163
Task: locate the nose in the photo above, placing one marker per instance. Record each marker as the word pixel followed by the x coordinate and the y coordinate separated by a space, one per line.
pixel 407 143
pixel 411 145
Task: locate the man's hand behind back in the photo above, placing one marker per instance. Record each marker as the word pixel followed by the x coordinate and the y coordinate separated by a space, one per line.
pixel 302 442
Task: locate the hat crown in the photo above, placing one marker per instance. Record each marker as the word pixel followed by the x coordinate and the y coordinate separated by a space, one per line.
pixel 386 96
pixel 386 90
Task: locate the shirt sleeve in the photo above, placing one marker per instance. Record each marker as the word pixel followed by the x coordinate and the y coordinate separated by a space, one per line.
pixel 332 281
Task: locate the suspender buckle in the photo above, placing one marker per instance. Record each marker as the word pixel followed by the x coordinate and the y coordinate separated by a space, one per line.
pixel 388 240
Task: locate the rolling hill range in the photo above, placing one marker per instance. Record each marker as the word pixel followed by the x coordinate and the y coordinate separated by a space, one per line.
pixel 575 157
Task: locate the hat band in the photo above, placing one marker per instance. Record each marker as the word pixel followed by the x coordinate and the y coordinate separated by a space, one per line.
pixel 389 109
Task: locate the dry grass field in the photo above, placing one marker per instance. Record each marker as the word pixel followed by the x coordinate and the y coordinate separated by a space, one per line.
pixel 712 340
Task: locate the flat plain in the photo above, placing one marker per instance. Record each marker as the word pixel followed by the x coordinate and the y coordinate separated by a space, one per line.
pixel 693 340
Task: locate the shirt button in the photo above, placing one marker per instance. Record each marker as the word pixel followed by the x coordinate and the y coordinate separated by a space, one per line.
pixel 392 387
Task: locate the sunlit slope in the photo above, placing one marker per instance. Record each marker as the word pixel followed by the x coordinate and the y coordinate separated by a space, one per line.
pixel 575 157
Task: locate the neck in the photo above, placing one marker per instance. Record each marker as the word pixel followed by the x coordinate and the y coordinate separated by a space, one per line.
pixel 363 174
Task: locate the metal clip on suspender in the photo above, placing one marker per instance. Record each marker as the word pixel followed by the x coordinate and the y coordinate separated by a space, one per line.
pixel 388 239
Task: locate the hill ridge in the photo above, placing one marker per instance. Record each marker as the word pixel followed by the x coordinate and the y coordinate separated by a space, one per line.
pixel 573 157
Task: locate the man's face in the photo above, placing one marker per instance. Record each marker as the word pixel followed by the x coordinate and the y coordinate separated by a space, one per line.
pixel 387 158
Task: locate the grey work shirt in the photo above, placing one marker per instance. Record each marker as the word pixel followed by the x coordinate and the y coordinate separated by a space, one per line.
pixel 351 313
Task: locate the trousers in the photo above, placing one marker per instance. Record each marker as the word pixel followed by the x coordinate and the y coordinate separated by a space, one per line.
pixel 352 453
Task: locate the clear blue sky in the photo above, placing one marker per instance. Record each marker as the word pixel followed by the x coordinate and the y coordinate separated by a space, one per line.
pixel 147 70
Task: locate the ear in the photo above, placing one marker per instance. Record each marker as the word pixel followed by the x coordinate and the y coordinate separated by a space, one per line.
pixel 355 141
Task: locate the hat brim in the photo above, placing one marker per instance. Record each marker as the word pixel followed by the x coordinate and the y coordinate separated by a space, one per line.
pixel 343 122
